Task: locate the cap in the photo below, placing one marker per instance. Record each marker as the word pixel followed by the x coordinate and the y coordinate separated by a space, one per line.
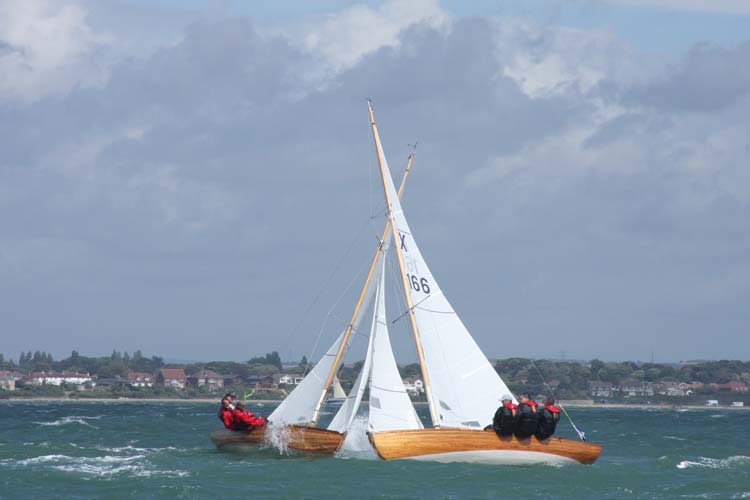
pixel 506 396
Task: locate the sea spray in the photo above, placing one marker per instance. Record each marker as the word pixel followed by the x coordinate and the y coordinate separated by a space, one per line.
pixel 277 436
pixel 357 444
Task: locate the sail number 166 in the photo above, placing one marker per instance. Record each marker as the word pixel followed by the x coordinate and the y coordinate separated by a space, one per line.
pixel 419 285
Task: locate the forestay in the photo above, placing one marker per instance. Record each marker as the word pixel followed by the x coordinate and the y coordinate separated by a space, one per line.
pixel 390 406
pixel 465 386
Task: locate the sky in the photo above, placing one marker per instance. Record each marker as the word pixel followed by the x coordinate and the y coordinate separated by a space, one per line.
pixel 197 179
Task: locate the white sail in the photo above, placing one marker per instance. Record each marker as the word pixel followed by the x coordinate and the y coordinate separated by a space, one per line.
pixel 465 386
pixel 390 406
pixel 298 407
pixel 344 417
pixel 338 390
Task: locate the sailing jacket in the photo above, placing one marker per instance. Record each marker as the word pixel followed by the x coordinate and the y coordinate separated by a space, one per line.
pixel 548 418
pixel 227 418
pixel 527 419
pixel 504 422
pixel 245 420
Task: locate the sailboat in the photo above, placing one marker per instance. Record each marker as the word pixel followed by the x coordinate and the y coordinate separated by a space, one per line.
pixel 293 424
pixel 338 395
pixel 462 388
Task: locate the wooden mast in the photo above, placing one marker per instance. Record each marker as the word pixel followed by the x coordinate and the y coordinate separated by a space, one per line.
pixel 350 326
pixel 420 352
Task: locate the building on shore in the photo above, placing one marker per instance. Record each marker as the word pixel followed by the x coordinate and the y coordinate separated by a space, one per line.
pixel 8 380
pixel 140 379
pixel 206 378
pixel 58 378
pixel 172 377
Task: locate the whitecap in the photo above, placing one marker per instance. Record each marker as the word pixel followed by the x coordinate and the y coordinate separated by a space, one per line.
pixel 70 420
pixel 714 463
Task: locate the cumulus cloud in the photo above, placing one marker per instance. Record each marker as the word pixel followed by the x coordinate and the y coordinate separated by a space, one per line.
pixel 569 190
pixel 48 48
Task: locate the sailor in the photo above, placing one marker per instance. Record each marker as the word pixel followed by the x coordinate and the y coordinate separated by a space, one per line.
pixel 506 416
pixel 548 418
pixel 226 412
pixel 527 416
pixel 245 420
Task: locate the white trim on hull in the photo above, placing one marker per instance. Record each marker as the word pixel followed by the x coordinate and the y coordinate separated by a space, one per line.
pixel 496 457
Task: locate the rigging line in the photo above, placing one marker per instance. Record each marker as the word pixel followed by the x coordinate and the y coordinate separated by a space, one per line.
pixel 581 434
pixel 320 293
pixel 388 390
pixel 412 308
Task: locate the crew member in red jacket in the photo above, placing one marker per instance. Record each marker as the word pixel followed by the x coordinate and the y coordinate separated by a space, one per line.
pixel 226 412
pixel 245 420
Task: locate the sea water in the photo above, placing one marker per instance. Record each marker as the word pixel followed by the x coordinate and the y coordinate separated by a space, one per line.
pixel 88 450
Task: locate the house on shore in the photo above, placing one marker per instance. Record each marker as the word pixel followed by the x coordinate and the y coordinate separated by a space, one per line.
pixel 600 389
pixel 413 386
pixel 172 377
pixel 287 378
pixel 262 382
pixel 733 387
pixel 207 378
pixel 58 378
pixel 8 380
pixel 140 379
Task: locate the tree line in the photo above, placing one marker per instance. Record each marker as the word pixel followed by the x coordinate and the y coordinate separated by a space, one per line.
pixel 567 379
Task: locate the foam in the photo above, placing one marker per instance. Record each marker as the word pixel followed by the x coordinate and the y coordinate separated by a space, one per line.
pixel 71 420
pixel 108 465
pixel 714 463
pixel 356 444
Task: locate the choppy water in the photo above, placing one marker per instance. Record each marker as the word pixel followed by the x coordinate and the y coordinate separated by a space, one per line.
pixel 161 450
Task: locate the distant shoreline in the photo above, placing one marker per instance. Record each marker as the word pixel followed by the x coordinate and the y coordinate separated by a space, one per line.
pixel 216 400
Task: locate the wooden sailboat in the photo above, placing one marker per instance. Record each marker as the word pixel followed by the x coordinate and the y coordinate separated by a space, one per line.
pixel 293 422
pixel 296 437
pixel 463 389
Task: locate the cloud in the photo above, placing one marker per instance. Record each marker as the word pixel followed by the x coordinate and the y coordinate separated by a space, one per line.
pixel 569 191
pixel 48 49
pixel 701 83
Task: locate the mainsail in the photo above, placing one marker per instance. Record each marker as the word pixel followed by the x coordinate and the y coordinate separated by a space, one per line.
pixel 465 387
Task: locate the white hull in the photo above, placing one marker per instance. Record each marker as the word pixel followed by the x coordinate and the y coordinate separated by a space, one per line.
pixel 496 457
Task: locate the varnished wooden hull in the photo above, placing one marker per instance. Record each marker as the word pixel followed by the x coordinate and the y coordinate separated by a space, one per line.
pixel 465 445
pixel 299 438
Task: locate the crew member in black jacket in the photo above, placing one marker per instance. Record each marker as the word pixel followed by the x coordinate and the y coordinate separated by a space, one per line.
pixel 504 423
pixel 548 418
pixel 527 416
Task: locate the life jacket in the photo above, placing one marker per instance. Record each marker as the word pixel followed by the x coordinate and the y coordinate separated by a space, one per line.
pixel 548 418
pixel 505 419
pixel 527 419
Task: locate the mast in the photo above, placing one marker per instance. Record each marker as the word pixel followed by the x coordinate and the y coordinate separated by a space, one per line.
pixel 350 326
pixel 417 341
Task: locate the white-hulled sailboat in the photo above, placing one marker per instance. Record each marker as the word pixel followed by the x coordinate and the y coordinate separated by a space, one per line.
pixel 462 387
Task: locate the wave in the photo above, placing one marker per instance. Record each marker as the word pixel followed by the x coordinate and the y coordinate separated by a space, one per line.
pixel 104 466
pixel 81 420
pixel 714 463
